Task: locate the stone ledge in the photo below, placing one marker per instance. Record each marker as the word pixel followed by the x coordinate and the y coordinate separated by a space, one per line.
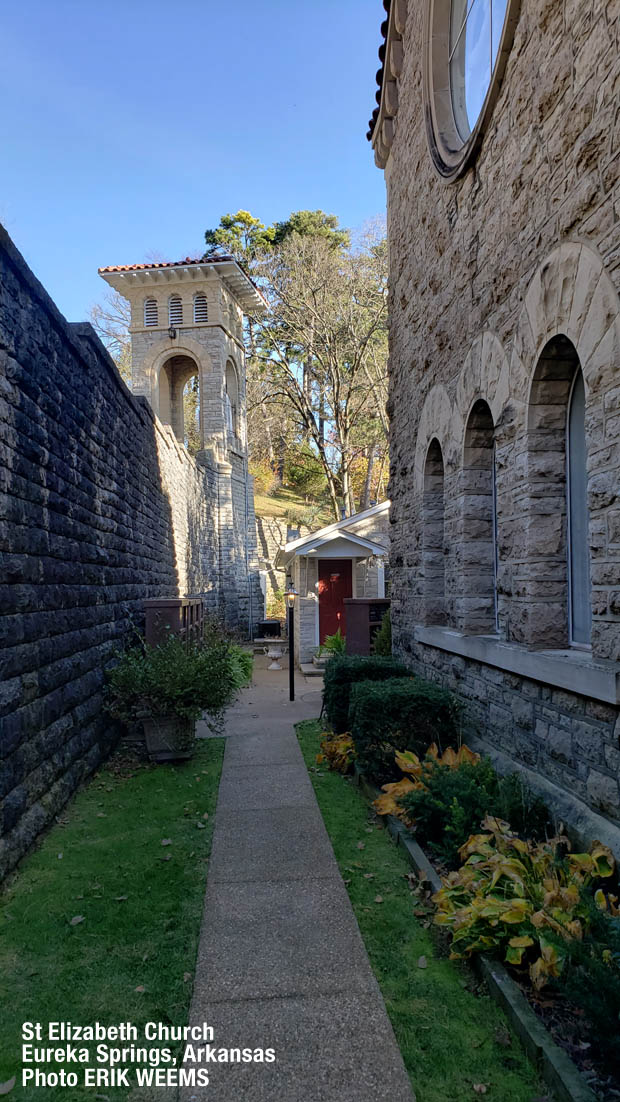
pixel 573 670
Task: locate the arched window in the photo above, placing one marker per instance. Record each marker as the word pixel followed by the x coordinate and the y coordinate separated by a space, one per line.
pixel 477 607
pixel 579 591
pixel 433 551
pixel 231 398
pixel 557 582
pixel 150 312
pixel 201 313
pixel 175 310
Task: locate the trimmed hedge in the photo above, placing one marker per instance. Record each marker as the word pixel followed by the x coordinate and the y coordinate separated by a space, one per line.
pixel 341 672
pixel 399 714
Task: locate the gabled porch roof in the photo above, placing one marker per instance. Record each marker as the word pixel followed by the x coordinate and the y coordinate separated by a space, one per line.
pixel 338 544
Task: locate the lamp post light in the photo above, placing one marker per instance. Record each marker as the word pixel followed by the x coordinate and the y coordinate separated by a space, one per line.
pixel 291 594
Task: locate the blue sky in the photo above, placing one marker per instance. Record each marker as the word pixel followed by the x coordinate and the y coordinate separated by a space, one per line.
pixel 128 127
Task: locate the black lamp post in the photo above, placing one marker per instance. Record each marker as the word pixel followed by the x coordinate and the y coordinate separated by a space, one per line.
pixel 290 595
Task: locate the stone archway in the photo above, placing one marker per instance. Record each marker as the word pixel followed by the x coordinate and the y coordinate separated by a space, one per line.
pixel 570 317
pixel 174 375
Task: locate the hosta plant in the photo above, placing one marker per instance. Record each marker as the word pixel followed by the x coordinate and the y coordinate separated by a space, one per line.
pixel 417 775
pixel 338 751
pixel 521 898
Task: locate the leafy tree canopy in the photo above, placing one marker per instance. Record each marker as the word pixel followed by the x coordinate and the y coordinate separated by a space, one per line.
pixel 247 238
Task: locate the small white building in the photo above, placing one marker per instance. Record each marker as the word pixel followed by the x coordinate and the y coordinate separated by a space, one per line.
pixel 346 559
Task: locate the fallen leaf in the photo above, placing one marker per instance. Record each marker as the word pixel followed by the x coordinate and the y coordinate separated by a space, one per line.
pixel 187 976
pixel 166 841
pixel 378 899
pixel 121 898
pixel 369 830
pixel 206 815
pixel 361 845
pixel 420 912
pixel 140 989
pixel 422 962
pixel 8 1086
pixel 101 815
pixel 369 876
pixel 503 1038
pixel 60 856
pixel 75 921
pixel 166 858
pixel 479 1088
pixel 346 881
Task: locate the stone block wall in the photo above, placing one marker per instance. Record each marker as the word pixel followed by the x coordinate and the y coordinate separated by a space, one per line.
pixel 100 508
pixel 501 281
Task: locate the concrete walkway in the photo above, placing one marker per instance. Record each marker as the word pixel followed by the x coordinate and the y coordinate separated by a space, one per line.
pixel 281 963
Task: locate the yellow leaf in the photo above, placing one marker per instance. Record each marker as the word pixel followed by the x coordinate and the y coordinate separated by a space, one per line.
pixel 408 762
pixel 521 942
pixel 465 755
pixel 603 859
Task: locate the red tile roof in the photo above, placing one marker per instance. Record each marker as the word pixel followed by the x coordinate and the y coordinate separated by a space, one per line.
pixel 380 72
pixel 171 264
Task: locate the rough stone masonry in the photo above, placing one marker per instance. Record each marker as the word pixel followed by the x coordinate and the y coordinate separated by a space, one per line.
pixel 504 281
pixel 100 508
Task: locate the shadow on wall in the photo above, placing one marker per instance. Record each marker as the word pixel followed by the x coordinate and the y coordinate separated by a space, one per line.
pixel 87 535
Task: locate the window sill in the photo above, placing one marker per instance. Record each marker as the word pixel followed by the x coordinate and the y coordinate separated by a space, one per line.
pixel 576 671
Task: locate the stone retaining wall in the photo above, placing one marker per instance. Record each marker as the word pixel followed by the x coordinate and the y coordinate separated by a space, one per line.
pixel 100 508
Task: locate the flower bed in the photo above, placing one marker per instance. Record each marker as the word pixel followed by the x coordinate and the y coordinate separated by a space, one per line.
pixel 512 886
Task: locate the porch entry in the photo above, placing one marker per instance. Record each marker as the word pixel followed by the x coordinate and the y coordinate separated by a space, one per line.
pixel 335 583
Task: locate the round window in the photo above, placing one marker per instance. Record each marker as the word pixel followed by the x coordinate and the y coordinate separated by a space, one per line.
pixel 468 45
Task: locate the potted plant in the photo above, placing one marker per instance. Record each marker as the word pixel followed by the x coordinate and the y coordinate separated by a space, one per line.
pixel 168 687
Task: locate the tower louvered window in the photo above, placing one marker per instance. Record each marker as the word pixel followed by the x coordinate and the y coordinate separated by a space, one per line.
pixel 175 310
pixel 201 313
pixel 150 312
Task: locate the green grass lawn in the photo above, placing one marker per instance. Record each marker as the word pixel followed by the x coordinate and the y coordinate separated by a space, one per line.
pixel 132 956
pixel 284 498
pixel 452 1036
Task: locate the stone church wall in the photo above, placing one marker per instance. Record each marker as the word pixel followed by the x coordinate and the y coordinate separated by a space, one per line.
pixel 100 508
pixel 522 250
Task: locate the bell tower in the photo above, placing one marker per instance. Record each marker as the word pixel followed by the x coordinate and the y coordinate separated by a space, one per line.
pixel 187 332
pixel 187 328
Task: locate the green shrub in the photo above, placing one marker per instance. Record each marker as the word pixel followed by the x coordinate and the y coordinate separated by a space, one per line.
pixel 382 642
pixel 242 663
pixel 342 672
pixel 174 679
pixel 455 801
pixel 334 644
pixel 399 714
pixel 591 980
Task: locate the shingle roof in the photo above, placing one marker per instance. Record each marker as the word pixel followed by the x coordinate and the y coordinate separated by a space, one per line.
pixel 380 72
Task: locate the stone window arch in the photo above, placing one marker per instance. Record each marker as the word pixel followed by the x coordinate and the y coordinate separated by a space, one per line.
pixel 201 310
pixel 556 579
pixel 231 398
pixel 433 524
pixel 150 312
pixel 175 310
pixel 477 606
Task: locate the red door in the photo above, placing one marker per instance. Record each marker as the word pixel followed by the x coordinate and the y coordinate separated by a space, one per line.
pixel 335 583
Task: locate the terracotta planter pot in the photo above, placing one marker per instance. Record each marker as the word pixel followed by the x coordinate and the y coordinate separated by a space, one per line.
pixel 169 738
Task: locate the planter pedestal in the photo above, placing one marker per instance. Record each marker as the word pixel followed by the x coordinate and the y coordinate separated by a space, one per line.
pixel 169 738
